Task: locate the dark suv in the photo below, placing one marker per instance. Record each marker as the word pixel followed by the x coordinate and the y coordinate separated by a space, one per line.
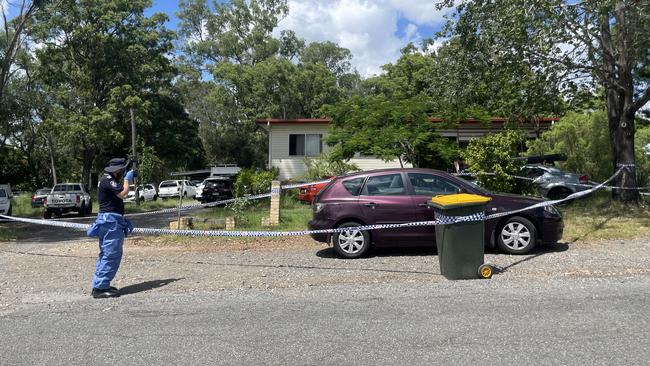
pixel 401 195
pixel 216 189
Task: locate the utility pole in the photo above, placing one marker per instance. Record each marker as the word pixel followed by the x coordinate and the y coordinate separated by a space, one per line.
pixel 135 157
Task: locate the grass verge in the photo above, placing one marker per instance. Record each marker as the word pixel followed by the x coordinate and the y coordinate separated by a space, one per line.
pixel 600 218
pixel 293 215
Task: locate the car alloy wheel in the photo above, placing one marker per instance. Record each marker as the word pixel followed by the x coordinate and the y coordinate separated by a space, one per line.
pixel 351 243
pixel 517 236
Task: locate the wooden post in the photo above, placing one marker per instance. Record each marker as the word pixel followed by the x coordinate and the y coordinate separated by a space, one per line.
pixel 274 218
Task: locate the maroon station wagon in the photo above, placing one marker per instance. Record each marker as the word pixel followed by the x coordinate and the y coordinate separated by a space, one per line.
pixel 394 196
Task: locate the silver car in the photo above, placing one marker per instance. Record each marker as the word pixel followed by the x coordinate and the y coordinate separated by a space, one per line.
pixel 554 183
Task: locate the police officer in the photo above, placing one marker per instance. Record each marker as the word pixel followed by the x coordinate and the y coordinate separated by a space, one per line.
pixel 110 227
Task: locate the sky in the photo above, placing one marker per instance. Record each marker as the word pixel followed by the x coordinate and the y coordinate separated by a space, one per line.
pixel 374 30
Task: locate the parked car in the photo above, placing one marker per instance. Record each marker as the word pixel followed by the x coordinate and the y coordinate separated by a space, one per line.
pixel 216 189
pixel 401 195
pixel 39 197
pixel 554 183
pixel 172 188
pixel 146 192
pixel 307 193
pixel 67 197
pixel 5 200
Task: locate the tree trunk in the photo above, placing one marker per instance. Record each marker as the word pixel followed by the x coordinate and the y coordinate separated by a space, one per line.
pixel 51 153
pixel 621 137
pixel 88 159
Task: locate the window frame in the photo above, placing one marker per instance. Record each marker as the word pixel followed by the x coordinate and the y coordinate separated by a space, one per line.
pixel 304 144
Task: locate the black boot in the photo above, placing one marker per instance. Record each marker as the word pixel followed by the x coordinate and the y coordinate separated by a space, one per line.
pixel 105 293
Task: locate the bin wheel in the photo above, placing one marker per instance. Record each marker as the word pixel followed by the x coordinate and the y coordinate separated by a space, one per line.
pixel 485 271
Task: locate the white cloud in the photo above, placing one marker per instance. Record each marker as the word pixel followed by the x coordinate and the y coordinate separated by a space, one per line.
pixel 367 28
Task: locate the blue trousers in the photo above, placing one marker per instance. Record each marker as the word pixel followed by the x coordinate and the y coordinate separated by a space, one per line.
pixel 111 229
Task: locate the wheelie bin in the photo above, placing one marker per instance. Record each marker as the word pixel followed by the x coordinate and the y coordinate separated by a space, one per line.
pixel 461 246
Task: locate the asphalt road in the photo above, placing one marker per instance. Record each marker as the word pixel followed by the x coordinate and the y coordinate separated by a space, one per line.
pixel 602 321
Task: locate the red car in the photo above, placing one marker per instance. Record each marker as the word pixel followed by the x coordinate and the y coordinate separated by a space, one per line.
pixel 308 193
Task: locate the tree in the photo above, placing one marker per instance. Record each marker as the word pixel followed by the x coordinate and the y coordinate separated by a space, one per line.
pixel 604 42
pixel 12 43
pixel 98 59
pixel 253 75
pixel 389 129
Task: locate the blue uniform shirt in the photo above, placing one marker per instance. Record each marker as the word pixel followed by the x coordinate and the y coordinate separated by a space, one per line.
pixel 109 201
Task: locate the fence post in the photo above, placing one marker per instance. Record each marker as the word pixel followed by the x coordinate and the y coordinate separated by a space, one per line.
pixel 274 218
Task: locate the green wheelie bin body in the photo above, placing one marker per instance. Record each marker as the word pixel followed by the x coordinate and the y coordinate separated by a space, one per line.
pixel 461 246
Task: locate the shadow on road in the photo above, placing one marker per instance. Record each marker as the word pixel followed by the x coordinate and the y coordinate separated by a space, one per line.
pixel 146 286
pixel 329 253
pixel 546 249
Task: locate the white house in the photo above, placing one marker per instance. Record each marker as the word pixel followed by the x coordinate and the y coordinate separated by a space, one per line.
pixel 291 140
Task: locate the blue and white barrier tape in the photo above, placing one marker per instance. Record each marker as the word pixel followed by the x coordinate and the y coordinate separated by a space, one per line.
pixel 440 220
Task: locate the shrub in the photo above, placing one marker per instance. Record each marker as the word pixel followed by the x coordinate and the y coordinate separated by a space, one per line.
pixel 493 154
pixel 251 181
pixel 323 166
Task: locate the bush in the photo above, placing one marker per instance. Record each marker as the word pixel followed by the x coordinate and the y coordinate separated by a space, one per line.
pixel 493 154
pixel 324 167
pixel 251 181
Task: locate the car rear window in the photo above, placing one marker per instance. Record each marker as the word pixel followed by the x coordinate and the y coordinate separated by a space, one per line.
pixel 3 194
pixel 353 185
pixel 42 191
pixel 63 188
pixel 168 184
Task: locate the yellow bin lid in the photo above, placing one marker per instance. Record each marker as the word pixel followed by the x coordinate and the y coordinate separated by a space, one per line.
pixel 459 200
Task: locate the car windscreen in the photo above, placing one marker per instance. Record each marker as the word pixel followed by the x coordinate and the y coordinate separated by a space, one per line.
pixel 42 191
pixel 3 194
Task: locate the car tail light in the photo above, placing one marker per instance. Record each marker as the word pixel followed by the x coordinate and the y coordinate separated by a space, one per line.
pixel 583 179
pixel 45 200
pixel 78 199
pixel 33 198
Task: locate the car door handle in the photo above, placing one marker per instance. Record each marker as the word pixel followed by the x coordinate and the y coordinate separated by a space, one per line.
pixel 371 205
pixel 423 205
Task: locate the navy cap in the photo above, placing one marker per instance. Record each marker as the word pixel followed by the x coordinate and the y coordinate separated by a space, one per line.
pixel 115 165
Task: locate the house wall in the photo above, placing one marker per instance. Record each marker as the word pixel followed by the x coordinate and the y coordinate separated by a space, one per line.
pixel 293 167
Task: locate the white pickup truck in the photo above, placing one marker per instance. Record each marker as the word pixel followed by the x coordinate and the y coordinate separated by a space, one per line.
pixel 67 197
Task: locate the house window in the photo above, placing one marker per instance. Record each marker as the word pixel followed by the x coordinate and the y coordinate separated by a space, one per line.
pixel 305 145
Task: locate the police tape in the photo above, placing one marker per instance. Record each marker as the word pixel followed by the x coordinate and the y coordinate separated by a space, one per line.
pixel 440 220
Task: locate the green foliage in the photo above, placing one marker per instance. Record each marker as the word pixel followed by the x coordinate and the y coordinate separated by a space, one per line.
pixel 388 129
pixel 255 74
pixel 324 166
pixel 98 60
pixel 251 181
pixel 584 139
pixel 150 167
pixel 238 208
pixel 493 153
